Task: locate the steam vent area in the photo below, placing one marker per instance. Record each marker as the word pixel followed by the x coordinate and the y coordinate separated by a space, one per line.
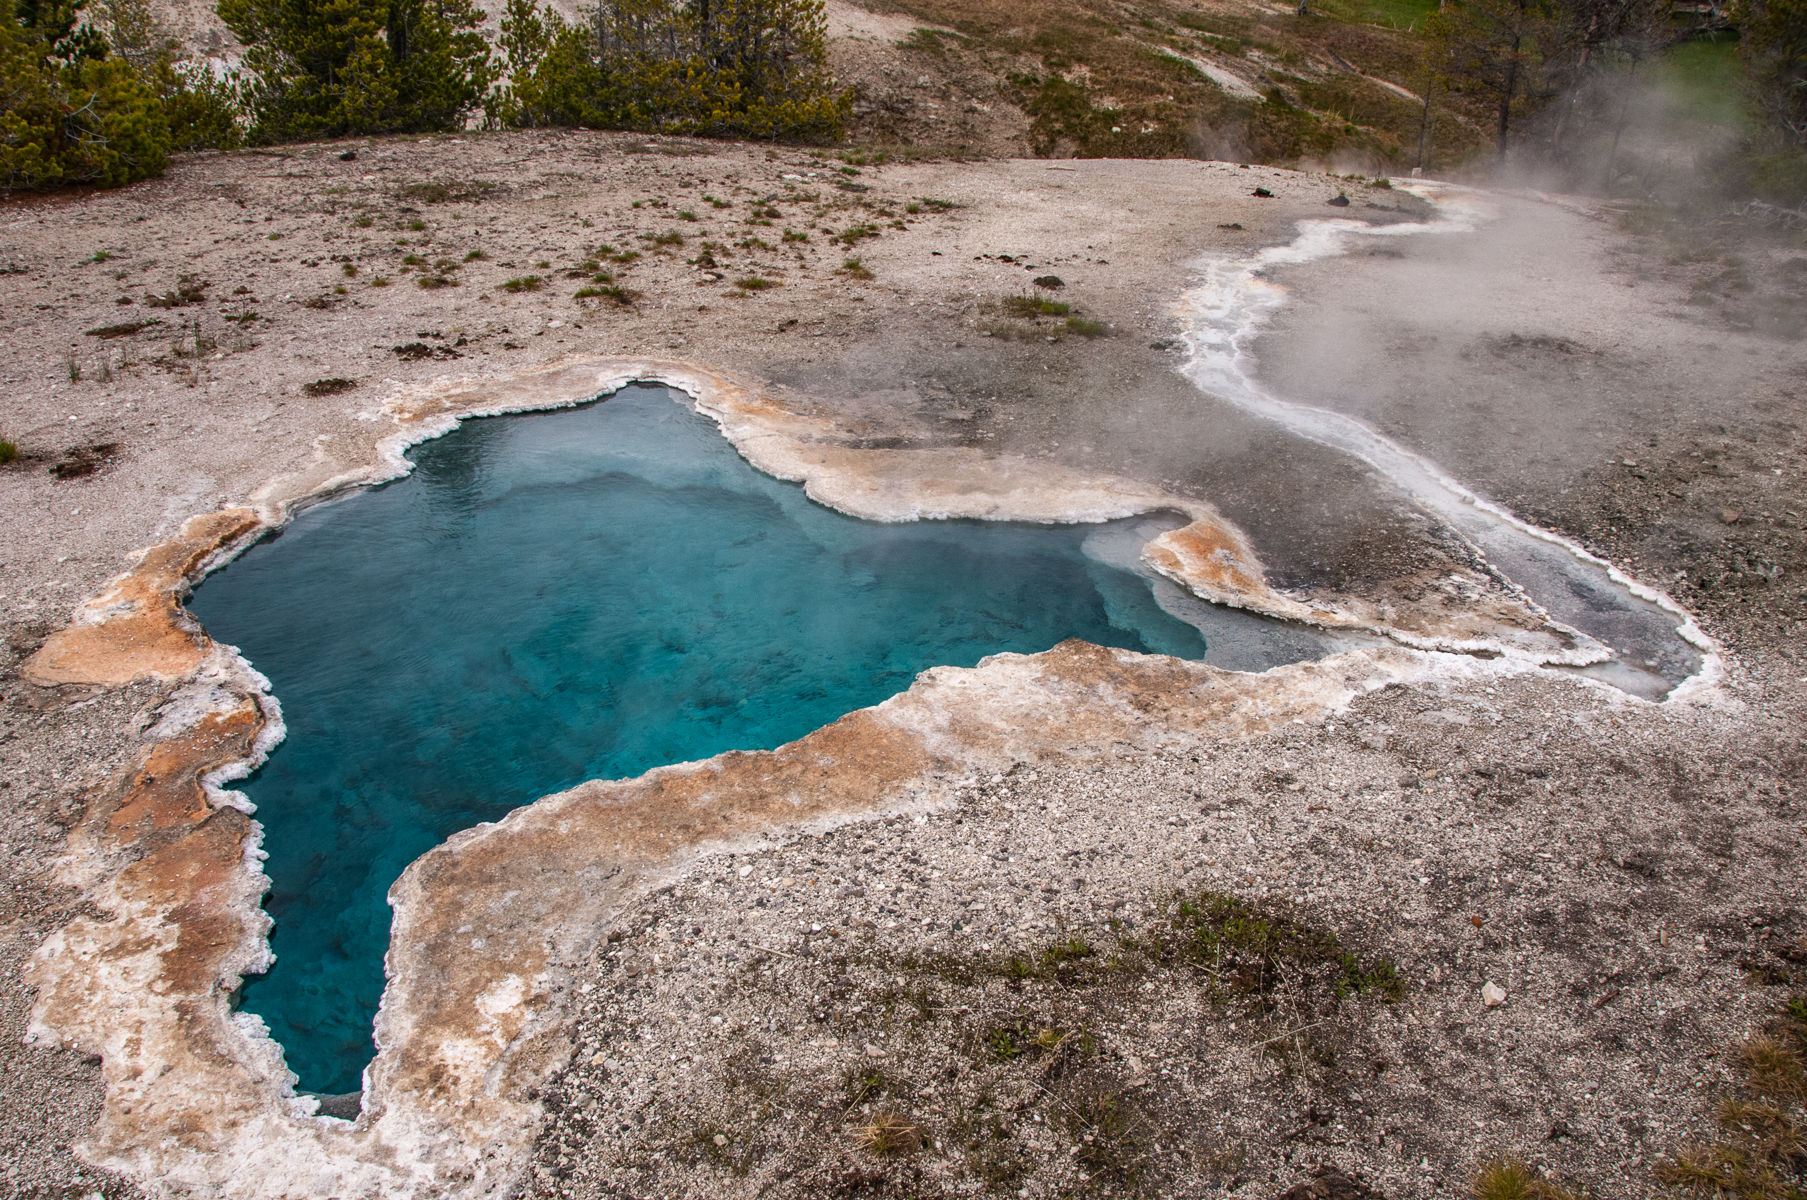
pixel 969 677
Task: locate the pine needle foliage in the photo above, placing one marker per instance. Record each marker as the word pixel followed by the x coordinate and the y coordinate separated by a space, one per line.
pixel 69 113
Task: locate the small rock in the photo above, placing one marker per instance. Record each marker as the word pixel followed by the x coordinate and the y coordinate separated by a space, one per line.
pixel 720 1139
pixel 1492 994
pixel 1264 193
pixel 1730 515
pixel 349 156
pixel 346 1106
pixel 873 1051
pixel 1338 201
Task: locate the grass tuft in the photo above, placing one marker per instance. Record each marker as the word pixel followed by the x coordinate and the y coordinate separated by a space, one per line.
pixel 8 451
pixel 618 295
pixel 889 1135
pixel 1034 306
pixel 1511 1179
pixel 443 192
pixel 1108 1134
pixel 526 283
pixel 1773 1068
pixel 1762 1144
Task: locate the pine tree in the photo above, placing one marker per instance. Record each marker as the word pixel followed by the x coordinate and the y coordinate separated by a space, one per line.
pixel 730 68
pixel 68 112
pixel 334 68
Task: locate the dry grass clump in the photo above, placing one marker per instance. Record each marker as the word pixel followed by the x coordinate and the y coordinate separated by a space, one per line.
pixel 1512 1179
pixel 1762 1154
pixel 889 1135
pixel 1773 1066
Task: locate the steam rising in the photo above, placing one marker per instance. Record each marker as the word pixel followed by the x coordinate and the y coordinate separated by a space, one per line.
pixel 1646 643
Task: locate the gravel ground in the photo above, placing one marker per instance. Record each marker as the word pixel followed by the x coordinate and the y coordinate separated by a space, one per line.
pixel 1005 997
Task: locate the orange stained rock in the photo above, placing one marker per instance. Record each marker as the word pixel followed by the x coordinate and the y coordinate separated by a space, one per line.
pixel 164 792
pixel 136 629
pixel 180 922
pixel 1208 554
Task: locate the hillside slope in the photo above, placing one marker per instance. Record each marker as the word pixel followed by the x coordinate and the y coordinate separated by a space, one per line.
pixel 1236 79
pixel 1103 78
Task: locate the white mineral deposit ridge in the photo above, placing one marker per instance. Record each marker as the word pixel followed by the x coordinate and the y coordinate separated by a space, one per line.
pixel 199 1103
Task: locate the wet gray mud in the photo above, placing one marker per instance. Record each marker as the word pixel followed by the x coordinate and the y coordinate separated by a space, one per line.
pixel 1647 644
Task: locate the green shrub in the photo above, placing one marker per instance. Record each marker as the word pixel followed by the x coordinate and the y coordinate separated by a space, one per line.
pixel 8 451
pixel 527 283
pixel 202 108
pixel 729 68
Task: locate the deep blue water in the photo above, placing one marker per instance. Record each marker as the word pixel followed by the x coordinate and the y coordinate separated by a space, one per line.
pixel 574 595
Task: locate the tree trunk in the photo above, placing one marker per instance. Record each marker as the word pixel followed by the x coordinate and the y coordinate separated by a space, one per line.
pixel 1613 154
pixel 1424 127
pixel 1587 49
pixel 1506 92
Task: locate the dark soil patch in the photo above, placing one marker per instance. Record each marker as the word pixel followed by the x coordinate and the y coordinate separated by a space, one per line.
pixel 78 462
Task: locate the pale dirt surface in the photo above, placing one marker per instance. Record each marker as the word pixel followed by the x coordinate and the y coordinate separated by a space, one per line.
pixel 1536 766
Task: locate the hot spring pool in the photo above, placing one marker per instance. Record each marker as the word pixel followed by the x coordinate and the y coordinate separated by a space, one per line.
pixel 589 593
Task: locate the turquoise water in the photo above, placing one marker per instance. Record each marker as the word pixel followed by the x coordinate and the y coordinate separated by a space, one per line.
pixel 574 595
